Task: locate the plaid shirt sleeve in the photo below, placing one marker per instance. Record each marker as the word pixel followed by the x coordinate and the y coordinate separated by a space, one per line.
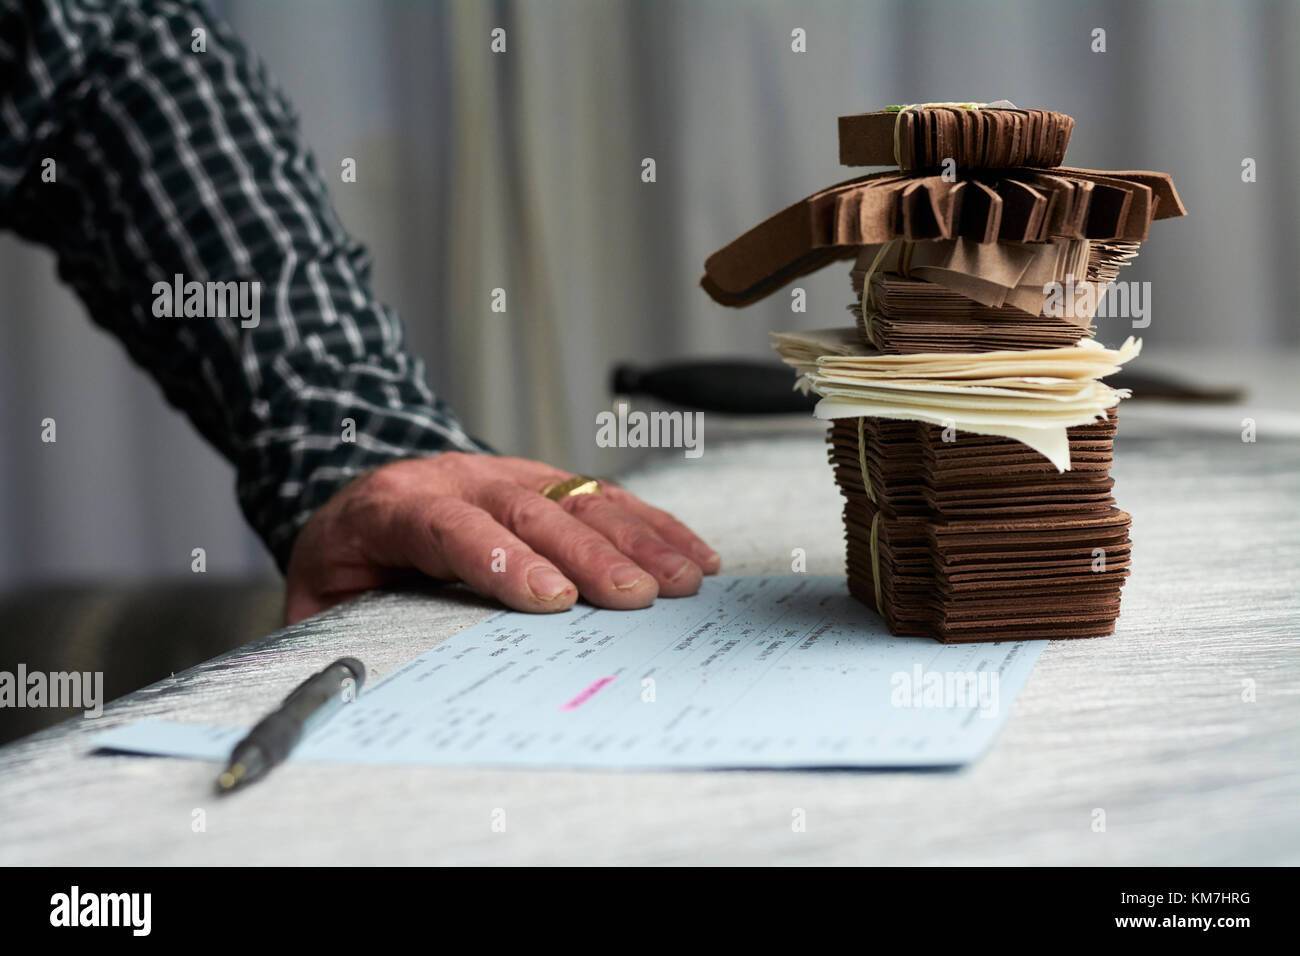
pixel 138 157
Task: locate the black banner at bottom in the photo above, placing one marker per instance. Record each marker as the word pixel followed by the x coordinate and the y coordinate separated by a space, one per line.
pixel 239 907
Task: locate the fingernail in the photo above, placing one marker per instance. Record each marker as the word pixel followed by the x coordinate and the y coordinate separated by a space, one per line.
pixel 546 583
pixel 704 553
pixel 627 576
pixel 677 569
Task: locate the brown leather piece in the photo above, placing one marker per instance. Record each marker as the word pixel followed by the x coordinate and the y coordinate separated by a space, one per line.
pixel 1020 205
pixel 978 538
pixel 971 138
pixel 909 315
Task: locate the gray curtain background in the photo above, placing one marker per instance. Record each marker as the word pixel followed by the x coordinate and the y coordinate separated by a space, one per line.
pixel 523 171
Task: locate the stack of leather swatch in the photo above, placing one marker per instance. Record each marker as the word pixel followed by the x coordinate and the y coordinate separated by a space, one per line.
pixel 966 532
pixel 970 137
pixel 977 538
pixel 915 307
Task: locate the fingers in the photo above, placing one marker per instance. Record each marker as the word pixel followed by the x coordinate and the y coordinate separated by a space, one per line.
pixel 606 576
pixel 676 574
pixel 451 538
pixel 667 527
pixel 480 519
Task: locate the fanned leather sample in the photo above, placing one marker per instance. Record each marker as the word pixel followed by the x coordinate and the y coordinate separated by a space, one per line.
pixel 971 138
pixel 1010 205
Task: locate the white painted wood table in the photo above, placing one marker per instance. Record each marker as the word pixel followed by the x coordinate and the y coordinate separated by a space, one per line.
pixel 1149 726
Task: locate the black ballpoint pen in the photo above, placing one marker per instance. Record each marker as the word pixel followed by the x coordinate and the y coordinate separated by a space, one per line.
pixel 315 701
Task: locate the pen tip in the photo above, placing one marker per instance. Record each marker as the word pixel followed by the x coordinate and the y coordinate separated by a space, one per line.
pixel 230 777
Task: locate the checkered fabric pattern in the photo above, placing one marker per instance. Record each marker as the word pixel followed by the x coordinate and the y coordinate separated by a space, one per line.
pixel 137 158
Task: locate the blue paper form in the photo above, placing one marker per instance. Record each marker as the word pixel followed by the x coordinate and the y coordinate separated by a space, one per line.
pixel 752 672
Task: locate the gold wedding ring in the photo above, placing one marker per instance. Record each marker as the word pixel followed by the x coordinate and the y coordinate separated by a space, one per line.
pixel 577 485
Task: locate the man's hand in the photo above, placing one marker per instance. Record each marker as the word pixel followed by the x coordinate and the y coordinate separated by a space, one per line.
pixel 446 517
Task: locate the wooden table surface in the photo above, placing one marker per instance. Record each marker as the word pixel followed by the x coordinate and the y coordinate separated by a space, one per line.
pixel 1153 727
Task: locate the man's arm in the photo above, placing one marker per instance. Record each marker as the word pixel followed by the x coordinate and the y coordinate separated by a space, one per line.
pixel 167 162
pixel 142 143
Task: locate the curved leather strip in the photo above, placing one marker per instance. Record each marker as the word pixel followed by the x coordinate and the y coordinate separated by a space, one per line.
pixel 1020 205
pixel 1168 206
pixel 810 262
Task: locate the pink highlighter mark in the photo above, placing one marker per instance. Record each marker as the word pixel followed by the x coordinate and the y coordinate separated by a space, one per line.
pixel 586 695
